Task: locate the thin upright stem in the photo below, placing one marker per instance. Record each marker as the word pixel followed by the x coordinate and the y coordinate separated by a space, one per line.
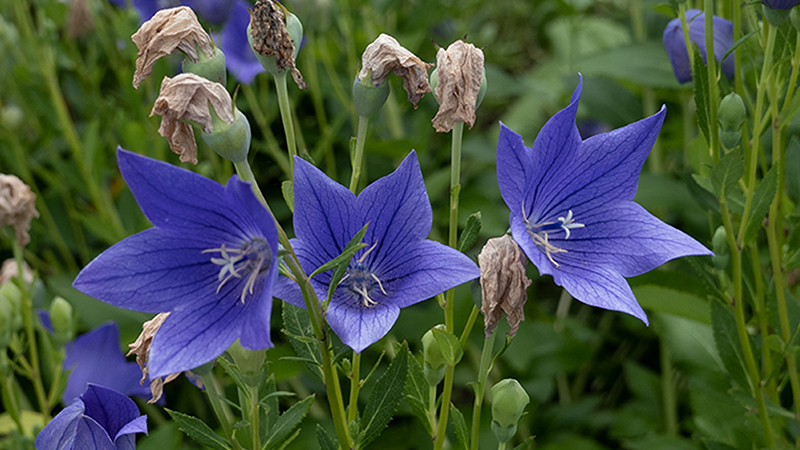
pixel 455 188
pixel 480 388
pixel 211 389
pixel 261 119
pixel 286 118
pixel 10 394
pixel 713 88
pixel 355 385
pixel 254 417
pixel 432 408
pixel 358 158
pixel 668 392
pixel 445 409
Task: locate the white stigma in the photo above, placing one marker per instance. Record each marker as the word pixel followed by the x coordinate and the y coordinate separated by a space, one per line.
pixel 540 236
pixel 251 259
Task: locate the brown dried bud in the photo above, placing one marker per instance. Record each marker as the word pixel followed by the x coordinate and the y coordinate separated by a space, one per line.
pixel 169 29
pixel 385 55
pixel 270 37
pixel 17 206
pixel 503 283
pixel 141 348
pixel 80 22
pixel 8 271
pixel 187 97
pixel 459 71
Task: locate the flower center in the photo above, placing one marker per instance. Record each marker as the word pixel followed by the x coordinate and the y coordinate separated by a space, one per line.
pixel 360 281
pixel 250 260
pixel 540 232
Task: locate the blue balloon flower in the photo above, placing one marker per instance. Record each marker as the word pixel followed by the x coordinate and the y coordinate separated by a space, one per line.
pixel 96 357
pixel 214 11
pixel 781 4
pixel 101 419
pixel 211 261
pixel 675 44
pixel 398 268
pixel 239 56
pixel 572 210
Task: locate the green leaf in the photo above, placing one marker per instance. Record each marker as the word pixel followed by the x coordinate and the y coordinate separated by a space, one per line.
pixel 287 422
pixel 663 299
pixel 470 233
pixel 385 396
pixel 460 425
pixel 269 398
pixel 297 326
pixel 762 198
pixel 417 392
pixel 726 338
pixel 198 430
pixel 789 112
pixel 525 444
pixel 449 345
pixel 700 77
pixel 287 189
pixel 725 175
pixel 643 63
pixel 326 442
pixel 347 254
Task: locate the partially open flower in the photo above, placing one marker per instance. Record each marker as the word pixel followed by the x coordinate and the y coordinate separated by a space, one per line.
pixel 17 206
pixel 270 34
pixel 385 55
pixel 503 283
pixel 459 72
pixel 141 348
pixel 188 97
pixel 169 29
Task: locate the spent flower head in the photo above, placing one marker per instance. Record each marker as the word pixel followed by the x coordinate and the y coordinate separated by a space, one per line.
pixel 459 78
pixel 141 348
pixel 17 207
pixel 572 210
pixel 675 44
pixel 101 419
pixel 275 34
pixel 210 261
pixel 504 283
pixel 397 268
pixel 384 56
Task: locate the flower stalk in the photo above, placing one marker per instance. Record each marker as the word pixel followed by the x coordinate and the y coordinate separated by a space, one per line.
pixel 480 388
pixel 286 118
pixel 210 384
pixel 713 88
pixel 358 158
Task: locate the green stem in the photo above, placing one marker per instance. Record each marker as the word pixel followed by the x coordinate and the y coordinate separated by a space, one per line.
pixel 668 392
pixel 744 340
pixel 286 117
pixel 480 388
pixel 254 417
pixel 9 393
pixel 432 408
pixel 261 119
pixel 713 87
pixel 210 384
pixel 501 445
pixel 355 385
pixel 795 72
pixel 358 158
pixel 685 29
pixel 473 316
pixel 447 391
pixel 763 325
pixel 455 188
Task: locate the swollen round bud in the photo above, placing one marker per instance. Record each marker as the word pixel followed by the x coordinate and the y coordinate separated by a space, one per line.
pixel 229 140
pixel 732 112
pixel 61 318
pixel 212 69
pixel 249 362
pixel 13 295
pixel 434 365
pixel 509 401
pixel 730 138
pixel 719 243
pixel 368 97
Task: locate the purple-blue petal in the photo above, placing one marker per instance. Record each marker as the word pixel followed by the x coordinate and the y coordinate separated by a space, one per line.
pixel 60 432
pixel 599 286
pixel 112 410
pixel 214 11
pixel 90 435
pixel 358 326
pixel 239 56
pixel 781 4
pixel 675 45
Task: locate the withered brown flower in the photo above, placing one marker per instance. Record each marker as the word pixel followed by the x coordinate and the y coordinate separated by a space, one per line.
pixel 141 348
pixel 271 38
pixel 503 283
pixel 459 73
pixel 17 207
pixel 385 55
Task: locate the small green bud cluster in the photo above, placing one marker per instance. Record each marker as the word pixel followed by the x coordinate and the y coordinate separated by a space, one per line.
pixel 719 243
pixel 732 113
pixel 509 401
pixel 434 364
pixel 61 318
pixel 10 312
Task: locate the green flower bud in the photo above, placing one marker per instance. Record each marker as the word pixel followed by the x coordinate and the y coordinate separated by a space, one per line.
pixel 229 140
pixel 719 243
pixel 212 69
pixel 61 318
pixel 249 362
pixel 509 401
pixel 11 293
pixel 730 138
pixel 369 98
pixel 732 112
pixel 434 365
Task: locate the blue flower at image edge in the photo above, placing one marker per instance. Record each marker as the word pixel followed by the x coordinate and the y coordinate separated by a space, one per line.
pixel 210 261
pixel 572 210
pixel 399 266
pixel 101 419
pixel 239 56
pixel 96 357
pixel 675 44
pixel 781 4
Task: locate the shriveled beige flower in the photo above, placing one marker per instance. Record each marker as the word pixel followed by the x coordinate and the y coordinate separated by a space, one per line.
pixel 141 348
pixel 80 22
pixel 187 97
pixel 503 283
pixel 271 38
pixel 9 270
pixel 17 207
pixel 459 73
pixel 167 30
pixel 385 55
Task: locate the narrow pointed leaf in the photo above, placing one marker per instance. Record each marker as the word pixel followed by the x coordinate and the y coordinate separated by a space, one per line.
pixel 326 442
pixel 287 422
pixel 470 233
pixel 287 189
pixel 700 76
pixel 344 258
pixel 725 175
pixel 385 397
pixel 525 444
pixel 297 323
pixel 199 431
pixel 762 198
pixel 460 426
pixel 417 391
pixel 449 345
pixel 726 339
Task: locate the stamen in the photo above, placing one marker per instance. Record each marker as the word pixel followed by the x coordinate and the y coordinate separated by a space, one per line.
pixel 539 233
pixel 251 258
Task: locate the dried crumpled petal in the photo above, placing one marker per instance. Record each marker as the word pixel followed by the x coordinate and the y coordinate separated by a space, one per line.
pixel 141 348
pixel 187 97
pixel 8 271
pixel 17 206
pixel 503 283
pixel 385 55
pixel 80 22
pixel 271 38
pixel 459 73
pixel 167 30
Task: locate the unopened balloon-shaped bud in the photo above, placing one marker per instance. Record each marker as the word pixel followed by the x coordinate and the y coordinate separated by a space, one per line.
pixel 732 111
pixel 509 401
pixel 794 16
pixel 434 365
pixel 6 322
pixel 61 318
pixel 367 97
pixel 249 362
pixel 229 140
pixel 212 69
pixel 719 243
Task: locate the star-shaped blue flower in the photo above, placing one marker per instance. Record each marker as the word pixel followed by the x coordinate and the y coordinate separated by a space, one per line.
pixel 96 357
pixel 397 268
pixel 572 210
pixel 211 261
pixel 101 419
